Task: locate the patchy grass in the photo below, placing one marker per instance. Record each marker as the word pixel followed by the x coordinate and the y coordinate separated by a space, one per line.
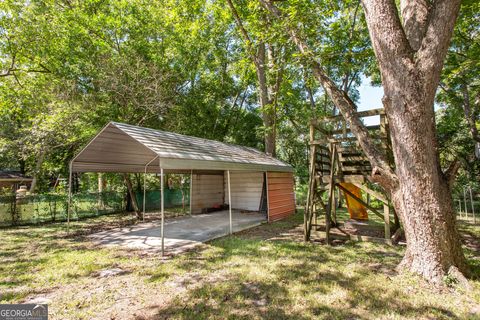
pixel 262 273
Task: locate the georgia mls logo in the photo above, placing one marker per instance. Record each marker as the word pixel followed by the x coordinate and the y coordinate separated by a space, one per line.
pixel 40 311
pixel 23 312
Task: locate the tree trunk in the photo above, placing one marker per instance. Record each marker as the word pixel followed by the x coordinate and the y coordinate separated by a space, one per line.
pixel 100 204
pixel 422 198
pixel 410 74
pixel 131 194
pixel 266 90
pixel 268 113
pixel 36 172
pixel 470 115
pixel 410 59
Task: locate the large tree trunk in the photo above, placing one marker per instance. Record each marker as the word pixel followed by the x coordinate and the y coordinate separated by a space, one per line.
pixel 410 59
pixel 422 198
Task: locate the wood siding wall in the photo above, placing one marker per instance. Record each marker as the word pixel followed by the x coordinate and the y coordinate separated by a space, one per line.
pixel 246 190
pixel 208 191
pixel 281 199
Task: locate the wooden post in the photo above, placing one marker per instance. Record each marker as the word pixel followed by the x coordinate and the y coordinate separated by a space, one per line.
pixel 229 202
pixel 334 208
pixel 465 202
pixel 333 153
pixel 307 214
pixel 162 207
pixel 340 199
pixel 386 219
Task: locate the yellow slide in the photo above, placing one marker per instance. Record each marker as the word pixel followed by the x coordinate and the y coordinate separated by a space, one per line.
pixel 356 209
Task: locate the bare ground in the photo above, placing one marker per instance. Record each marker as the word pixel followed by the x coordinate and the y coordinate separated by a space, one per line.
pixel 263 272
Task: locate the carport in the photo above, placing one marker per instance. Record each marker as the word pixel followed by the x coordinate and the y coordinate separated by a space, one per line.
pixel 241 177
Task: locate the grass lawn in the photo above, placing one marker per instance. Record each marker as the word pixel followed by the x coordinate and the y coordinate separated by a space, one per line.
pixel 263 273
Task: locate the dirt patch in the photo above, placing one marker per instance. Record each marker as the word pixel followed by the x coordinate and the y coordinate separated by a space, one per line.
pixel 286 233
pixel 471 241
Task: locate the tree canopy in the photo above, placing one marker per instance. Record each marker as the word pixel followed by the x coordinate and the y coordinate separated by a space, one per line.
pixel 69 67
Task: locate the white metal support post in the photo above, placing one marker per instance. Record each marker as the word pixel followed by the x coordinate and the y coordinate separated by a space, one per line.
pixel 473 206
pixel 162 200
pixel 145 186
pixel 69 205
pixel 229 201
pixel 144 192
pixel 191 190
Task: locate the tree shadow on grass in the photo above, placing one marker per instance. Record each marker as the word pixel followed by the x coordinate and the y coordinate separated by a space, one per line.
pixel 231 299
pixel 240 298
pixel 303 284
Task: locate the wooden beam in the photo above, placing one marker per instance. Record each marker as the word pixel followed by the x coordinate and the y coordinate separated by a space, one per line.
pixel 360 200
pixel 331 189
pixel 360 158
pixel 317 125
pixel 373 193
pixel 386 217
pixel 344 131
pixel 358 178
pixel 360 114
pixel 352 139
pixel 307 215
pixel 354 237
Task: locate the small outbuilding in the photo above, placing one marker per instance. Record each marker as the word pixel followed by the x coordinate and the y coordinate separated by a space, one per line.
pixel 13 180
pixel 222 174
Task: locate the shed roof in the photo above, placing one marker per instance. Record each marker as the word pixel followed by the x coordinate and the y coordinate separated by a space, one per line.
pixel 120 147
pixel 7 175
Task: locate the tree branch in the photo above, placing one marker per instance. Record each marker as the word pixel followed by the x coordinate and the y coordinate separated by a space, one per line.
pixel 451 173
pixel 244 33
pixel 439 31
pixel 386 32
pixel 343 102
pixel 415 18
pixel 469 115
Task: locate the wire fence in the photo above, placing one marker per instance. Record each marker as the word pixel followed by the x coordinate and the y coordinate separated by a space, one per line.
pixel 52 207
pixel 467 204
pixel 33 209
pixel 173 198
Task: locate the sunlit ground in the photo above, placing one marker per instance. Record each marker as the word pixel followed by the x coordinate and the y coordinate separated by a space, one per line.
pixel 262 273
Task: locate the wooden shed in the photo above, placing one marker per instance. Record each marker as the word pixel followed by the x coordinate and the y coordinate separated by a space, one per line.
pixel 221 174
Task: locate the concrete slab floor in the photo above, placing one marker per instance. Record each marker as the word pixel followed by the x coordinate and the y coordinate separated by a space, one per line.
pixel 181 233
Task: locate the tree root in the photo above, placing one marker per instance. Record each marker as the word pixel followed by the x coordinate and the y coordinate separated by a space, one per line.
pixel 453 276
pixel 459 277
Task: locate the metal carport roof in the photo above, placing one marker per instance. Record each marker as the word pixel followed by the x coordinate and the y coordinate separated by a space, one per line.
pixel 120 147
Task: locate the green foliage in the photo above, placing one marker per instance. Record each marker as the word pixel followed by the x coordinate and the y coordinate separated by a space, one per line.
pixel 458 94
pixel 69 67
